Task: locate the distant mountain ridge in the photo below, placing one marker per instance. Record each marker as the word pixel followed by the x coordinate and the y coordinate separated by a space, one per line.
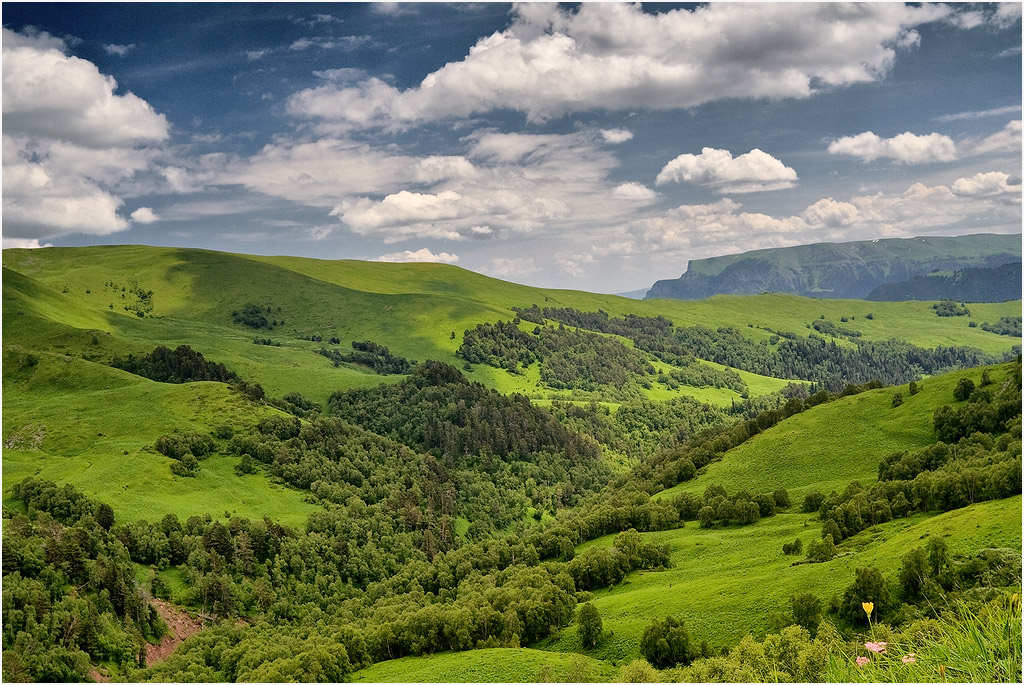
pixel 966 285
pixel 838 270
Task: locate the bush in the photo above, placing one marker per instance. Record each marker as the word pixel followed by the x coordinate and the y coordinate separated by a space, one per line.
pixel 638 671
pixel 868 586
pixel 897 399
pixel 963 389
pixel 224 432
pixel 812 502
pixel 781 498
pixel 666 643
pixel 706 516
pixel 822 550
pixel 187 467
pixel 913 573
pixel 807 610
pixel 795 547
pixel 589 621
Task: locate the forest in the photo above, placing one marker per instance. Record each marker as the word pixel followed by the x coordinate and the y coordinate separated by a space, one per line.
pixel 811 358
pixel 383 570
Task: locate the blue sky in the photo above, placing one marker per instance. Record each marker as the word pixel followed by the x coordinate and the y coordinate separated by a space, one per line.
pixel 595 146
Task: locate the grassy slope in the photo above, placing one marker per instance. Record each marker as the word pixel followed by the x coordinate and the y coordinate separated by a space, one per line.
pixel 413 308
pixel 99 425
pixel 827 446
pixel 489 666
pixel 727 582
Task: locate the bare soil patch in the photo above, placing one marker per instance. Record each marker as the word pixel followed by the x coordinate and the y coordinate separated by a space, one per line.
pixel 180 626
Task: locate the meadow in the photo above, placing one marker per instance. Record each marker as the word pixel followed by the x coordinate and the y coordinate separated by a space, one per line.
pixel 72 418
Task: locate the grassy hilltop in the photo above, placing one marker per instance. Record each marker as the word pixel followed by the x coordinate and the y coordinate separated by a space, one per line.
pixel 67 307
pixel 411 504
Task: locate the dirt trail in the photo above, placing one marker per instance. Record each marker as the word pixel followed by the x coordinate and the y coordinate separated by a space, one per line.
pixel 180 626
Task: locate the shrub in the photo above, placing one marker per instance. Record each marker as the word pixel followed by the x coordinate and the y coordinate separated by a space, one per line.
pixel 782 498
pixel 638 671
pixel 589 621
pixel 822 550
pixel 868 586
pixel 812 502
pixel 795 547
pixel 187 466
pixel 666 643
pixel 963 389
pixel 807 610
pixel 224 432
pixel 706 516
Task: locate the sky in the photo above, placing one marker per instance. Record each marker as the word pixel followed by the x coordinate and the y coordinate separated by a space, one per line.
pixel 598 146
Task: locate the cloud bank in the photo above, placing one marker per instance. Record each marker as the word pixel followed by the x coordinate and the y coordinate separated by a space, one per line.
pixel 68 141
pixel 905 148
pixel 605 56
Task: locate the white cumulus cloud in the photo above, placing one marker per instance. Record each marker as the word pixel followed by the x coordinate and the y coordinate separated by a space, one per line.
pixel 69 141
pixel 905 148
pixel 421 255
pixel 48 93
pixel 718 169
pixel 990 199
pixel 144 215
pixel 993 184
pixel 511 267
pixel 634 191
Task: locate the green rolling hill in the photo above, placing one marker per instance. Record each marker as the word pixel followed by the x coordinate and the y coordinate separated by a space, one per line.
pixel 391 523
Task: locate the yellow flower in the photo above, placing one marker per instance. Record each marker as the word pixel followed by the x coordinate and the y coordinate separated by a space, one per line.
pixel 868 607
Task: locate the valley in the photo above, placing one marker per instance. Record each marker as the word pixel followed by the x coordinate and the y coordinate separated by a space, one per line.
pixel 412 472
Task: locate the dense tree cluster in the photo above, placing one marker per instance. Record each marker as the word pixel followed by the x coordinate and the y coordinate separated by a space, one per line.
pixel 370 354
pixel 186 449
pixel 667 643
pixel 297 405
pixel 1007 325
pixel 569 359
pixel 69 592
pixel 814 359
pixel 180 365
pixel 255 316
pixel 357 564
pixel 698 375
pixel 716 506
pixel 639 427
pixel 603 566
pixel 436 410
pixel 950 308
pixel 826 327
